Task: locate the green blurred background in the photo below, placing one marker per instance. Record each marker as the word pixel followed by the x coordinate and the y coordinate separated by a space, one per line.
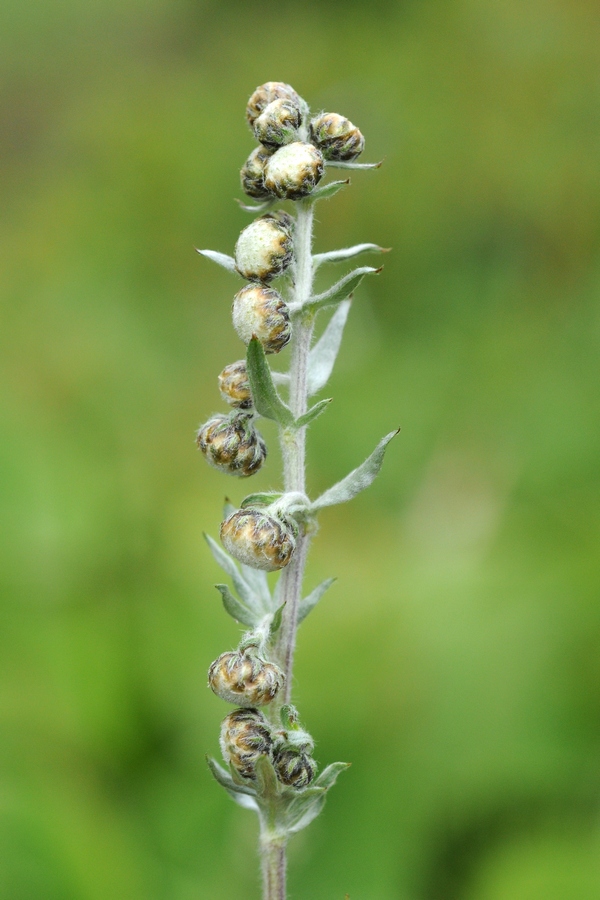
pixel 456 661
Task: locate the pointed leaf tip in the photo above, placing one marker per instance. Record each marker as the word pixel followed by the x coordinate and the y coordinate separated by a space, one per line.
pixel 359 479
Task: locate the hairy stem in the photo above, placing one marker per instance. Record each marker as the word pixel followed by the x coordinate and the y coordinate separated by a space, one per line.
pixel 273 867
pixel 293 444
pixel 293 441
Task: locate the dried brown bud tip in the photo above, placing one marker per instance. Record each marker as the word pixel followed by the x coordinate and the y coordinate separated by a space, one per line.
pixel 258 540
pixel 234 385
pixel 264 249
pixel 232 444
pixel 252 174
pixel 265 94
pixel 336 137
pixel 245 736
pixel 294 767
pixel 261 311
pixel 278 123
pixel 294 171
pixel 245 679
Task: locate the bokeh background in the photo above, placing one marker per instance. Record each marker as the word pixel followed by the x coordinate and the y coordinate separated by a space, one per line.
pixel 456 661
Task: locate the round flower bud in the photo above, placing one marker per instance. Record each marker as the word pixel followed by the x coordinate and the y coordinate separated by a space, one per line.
pixel 278 123
pixel 245 736
pixel 336 137
pixel 265 94
pixel 263 249
pixel 294 171
pixel 232 444
pixel 258 540
pixel 261 311
pixel 244 679
pixel 252 174
pixel 235 386
pixel 283 219
pixel 294 767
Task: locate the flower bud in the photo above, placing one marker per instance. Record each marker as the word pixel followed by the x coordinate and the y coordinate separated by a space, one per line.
pixel 258 540
pixel 263 249
pixel 294 767
pixel 232 444
pixel 252 174
pixel 261 311
pixel 278 123
pixel 294 170
pixel 244 679
pixel 245 736
pixel 265 94
pixel 336 137
pixel 234 385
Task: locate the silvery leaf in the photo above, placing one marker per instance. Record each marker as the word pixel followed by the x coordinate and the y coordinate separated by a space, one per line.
pixel 335 256
pixel 338 164
pixel 312 413
pixel 236 609
pixel 257 580
pixel 359 479
pixel 255 207
pixel 304 808
pixel 243 795
pixel 322 356
pixel 308 603
pixel 228 262
pixel 340 290
pixel 245 592
pixel 327 190
pixel 328 776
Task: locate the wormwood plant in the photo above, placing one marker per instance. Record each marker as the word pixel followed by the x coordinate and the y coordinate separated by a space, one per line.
pixel 269 766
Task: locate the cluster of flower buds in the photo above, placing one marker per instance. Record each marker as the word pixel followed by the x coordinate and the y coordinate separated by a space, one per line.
pixel 246 735
pixel 290 161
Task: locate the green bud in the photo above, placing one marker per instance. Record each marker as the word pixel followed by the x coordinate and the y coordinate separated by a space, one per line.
pixel 252 174
pixel 264 248
pixel 234 385
pixel 245 679
pixel 261 311
pixel 258 540
pixel 294 170
pixel 232 444
pixel 278 123
pixel 265 94
pixel 245 736
pixel 336 137
pixel 294 767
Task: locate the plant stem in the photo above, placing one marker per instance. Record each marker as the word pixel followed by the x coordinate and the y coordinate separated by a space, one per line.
pixel 293 441
pixel 273 867
pixel 293 445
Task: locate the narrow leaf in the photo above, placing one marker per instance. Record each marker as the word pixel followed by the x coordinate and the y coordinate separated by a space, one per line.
pixel 312 413
pixel 255 207
pixel 246 594
pixel 307 604
pixel 329 775
pixel 267 784
pixel 256 579
pixel 335 256
pixel 236 609
pixel 341 289
pixel 357 480
pixel 264 393
pixel 228 262
pixel 281 378
pixel 321 358
pixel 228 508
pixel 277 618
pixel 243 795
pixel 335 164
pixel 263 498
pixel 327 190
pixel 304 808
